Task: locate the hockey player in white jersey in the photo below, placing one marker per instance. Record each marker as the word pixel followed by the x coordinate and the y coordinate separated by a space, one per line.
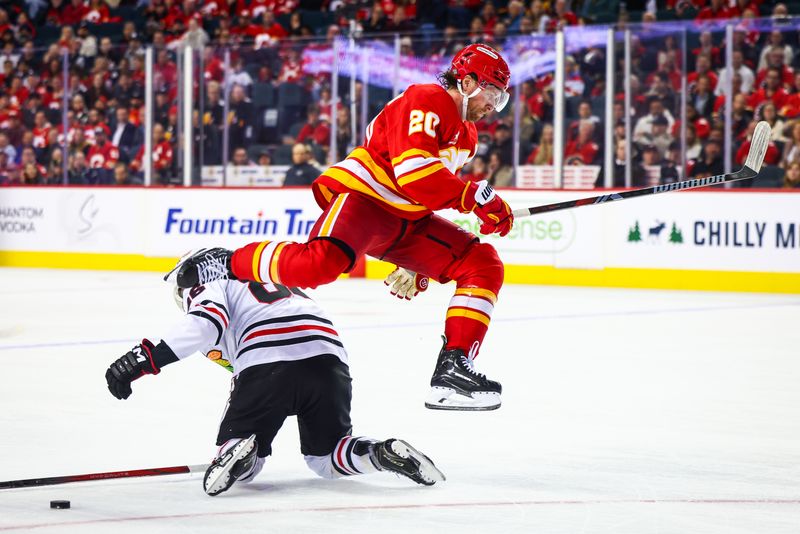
pixel 287 359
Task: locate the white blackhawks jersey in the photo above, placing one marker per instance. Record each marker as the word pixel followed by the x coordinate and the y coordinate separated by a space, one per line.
pixel 251 324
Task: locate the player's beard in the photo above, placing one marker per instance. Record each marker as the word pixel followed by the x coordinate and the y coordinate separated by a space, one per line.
pixel 475 114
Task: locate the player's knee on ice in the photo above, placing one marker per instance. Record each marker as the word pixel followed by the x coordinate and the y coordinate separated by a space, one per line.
pixel 322 466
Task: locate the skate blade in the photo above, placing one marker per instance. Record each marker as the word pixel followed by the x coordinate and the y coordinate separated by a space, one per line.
pixel 427 470
pixel 449 399
pixel 217 479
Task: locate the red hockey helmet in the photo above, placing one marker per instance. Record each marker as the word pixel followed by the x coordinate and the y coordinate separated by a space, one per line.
pixel 487 66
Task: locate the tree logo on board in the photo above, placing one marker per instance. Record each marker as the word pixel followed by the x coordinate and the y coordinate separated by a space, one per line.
pixel 654 233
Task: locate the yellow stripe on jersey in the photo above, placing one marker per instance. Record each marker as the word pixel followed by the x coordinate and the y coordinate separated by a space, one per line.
pixel 410 153
pixel 325 231
pixel 468 314
pixel 354 184
pixel 420 174
pixel 377 172
pixel 477 292
pixel 273 264
pixel 463 197
pixel 257 260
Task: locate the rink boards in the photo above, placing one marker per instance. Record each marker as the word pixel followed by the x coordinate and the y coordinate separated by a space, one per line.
pixel 714 240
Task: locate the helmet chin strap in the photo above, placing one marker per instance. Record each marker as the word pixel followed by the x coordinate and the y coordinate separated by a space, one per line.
pixel 465 98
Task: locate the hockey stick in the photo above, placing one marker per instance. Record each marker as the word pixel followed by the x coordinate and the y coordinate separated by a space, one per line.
pixel 151 472
pixel 755 157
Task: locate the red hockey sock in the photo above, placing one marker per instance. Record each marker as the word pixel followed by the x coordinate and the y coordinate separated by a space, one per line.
pixel 311 264
pixel 479 276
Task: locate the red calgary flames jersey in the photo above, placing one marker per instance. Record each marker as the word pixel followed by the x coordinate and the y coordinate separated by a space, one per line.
pixel 413 150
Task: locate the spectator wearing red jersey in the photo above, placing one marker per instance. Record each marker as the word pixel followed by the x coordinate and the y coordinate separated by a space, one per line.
pixel 717 10
pixel 775 60
pixel 771 91
pixel 292 68
pixel 244 28
pixel 102 155
pixel 270 32
pixel 740 6
pixel 17 92
pixel 772 157
pixel 561 17
pixel 165 71
pixel 791 107
pixel 316 128
pixel 15 129
pixel 703 66
pixel 53 16
pixel 584 114
pixel 162 156
pixel 707 47
pixel 40 130
pixel 488 16
pixel 96 12
pixel 283 7
pixel 73 12
pixel 584 149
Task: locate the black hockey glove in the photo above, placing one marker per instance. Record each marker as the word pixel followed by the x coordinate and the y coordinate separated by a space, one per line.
pixel 202 267
pixel 135 364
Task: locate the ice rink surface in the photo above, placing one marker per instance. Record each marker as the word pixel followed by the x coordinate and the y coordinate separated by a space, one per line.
pixel 623 412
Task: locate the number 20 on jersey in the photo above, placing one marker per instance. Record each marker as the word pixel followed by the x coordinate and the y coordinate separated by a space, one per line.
pixel 421 121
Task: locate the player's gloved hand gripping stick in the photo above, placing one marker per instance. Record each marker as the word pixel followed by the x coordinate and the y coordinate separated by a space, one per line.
pixel 755 158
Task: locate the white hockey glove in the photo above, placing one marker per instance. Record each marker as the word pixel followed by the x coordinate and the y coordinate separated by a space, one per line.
pixel 406 284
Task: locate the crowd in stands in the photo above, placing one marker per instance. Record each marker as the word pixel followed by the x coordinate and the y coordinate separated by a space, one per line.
pixel 72 77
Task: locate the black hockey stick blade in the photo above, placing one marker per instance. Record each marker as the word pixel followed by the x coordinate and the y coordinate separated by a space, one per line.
pixel 133 473
pixel 752 165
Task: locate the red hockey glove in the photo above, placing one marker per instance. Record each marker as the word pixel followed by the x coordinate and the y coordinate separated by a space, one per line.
pixel 406 284
pixel 492 210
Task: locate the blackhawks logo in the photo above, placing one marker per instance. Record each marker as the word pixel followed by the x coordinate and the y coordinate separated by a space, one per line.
pixel 216 357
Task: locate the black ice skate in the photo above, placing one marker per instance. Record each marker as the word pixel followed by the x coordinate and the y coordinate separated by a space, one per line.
pixel 401 458
pixel 232 465
pixel 456 385
pixel 201 267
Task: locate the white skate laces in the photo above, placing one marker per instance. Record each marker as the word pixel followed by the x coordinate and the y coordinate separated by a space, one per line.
pixel 211 268
pixel 470 367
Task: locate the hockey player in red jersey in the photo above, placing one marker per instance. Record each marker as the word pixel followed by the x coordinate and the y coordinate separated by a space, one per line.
pixel 287 359
pixel 380 201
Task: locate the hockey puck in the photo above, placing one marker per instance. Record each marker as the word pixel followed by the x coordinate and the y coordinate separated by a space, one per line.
pixel 59 505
